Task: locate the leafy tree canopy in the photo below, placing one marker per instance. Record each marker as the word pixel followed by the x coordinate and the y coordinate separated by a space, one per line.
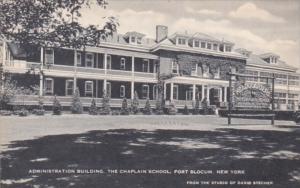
pixel 52 23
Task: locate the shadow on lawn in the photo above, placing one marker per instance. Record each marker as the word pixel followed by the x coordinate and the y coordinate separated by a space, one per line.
pixel 264 155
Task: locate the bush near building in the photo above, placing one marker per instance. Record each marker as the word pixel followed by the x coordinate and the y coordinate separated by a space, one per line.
pixel 124 109
pixel 93 108
pixel 135 104
pixel 172 110
pixel 147 109
pixel 196 109
pixel 105 110
pixel 40 111
pixel 205 107
pixel 76 107
pixel 186 110
pixel 56 107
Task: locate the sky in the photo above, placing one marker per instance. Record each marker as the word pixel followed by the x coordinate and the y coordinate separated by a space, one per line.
pixel 260 26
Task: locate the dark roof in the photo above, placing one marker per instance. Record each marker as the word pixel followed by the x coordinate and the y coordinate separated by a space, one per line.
pixel 16 50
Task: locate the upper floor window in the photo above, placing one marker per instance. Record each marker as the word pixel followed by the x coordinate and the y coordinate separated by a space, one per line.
pixel 227 48
pixel 108 62
pixel 122 91
pixel 49 85
pixel 89 60
pixel 122 63
pixel 196 43
pixel 209 46
pixel 175 66
pixel 49 56
pixel 206 71
pixel 145 91
pixel 189 94
pixel 203 44
pixel 145 65
pixel 215 47
pixel 69 87
pixel 88 88
pixel 181 41
pixel 194 70
pixel 217 73
pixel 139 40
pixel 78 59
pixel 132 39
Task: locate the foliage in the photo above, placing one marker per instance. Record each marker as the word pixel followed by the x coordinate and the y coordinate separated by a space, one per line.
pixel 52 23
pixel 135 104
pixel 56 107
pixel 186 110
pixel 204 104
pixel 196 109
pixel 5 112
pixel 23 112
pixel 172 110
pixel 147 109
pixel 105 110
pixel 40 111
pixel 93 108
pixel 76 106
pixel 297 117
pixel 124 109
pixel 8 91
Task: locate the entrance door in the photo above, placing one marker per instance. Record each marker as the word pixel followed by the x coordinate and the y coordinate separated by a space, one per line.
pixel 214 96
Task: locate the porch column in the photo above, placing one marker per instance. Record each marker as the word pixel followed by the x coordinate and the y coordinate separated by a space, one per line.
pixel 97 88
pixel 75 71
pixel 41 75
pixel 207 95
pixel 104 85
pixel 165 91
pixel 3 64
pixel 202 92
pixel 194 92
pixel 171 95
pixel 221 94
pixel 132 65
pixel 132 90
pixel 225 94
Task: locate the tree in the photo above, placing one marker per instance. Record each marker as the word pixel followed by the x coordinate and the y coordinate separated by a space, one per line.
pixel 204 105
pixel 105 110
pixel 8 91
pixel 135 104
pixel 76 106
pixel 93 108
pixel 56 106
pixel 124 109
pixel 186 110
pixel 197 105
pixel 51 23
pixel 147 109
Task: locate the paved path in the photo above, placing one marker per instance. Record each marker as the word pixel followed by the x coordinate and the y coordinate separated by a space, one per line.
pixel 13 128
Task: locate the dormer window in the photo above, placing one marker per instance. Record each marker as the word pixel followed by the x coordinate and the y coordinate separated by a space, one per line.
pixel 175 67
pixel 227 48
pixel 209 46
pixel 181 41
pixel 132 39
pixel 196 43
pixel 122 63
pixel 203 45
pixel 215 47
pixel 139 40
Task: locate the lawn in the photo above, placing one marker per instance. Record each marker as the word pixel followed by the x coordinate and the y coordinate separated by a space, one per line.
pixel 204 144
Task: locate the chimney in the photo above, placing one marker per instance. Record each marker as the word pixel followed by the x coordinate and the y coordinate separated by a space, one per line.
pixel 161 32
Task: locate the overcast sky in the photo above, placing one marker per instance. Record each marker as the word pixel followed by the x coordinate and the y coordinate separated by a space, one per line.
pixel 259 26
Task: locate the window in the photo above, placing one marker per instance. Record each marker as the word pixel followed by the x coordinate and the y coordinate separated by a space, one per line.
pixel 175 92
pixel 196 43
pixel 122 91
pixel 69 87
pixel 122 63
pixel 227 48
pixel 203 45
pixel 175 66
pixel 49 83
pixel 78 59
pixel 209 46
pixel 139 40
pixel 251 73
pixel 217 73
pixel 181 41
pixel 89 60
pixel 189 94
pixel 194 69
pixel 88 88
pixel 132 39
pixel 145 91
pixel 108 62
pixel 49 56
pixel 215 47
pixel 206 71
pixel 145 65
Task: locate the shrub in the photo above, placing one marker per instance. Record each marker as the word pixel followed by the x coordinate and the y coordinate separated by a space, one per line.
pixel 186 110
pixel 56 107
pixel 23 112
pixel 147 109
pixel 196 109
pixel 40 111
pixel 76 107
pixel 135 104
pixel 115 113
pixel 204 104
pixel 124 109
pixel 93 108
pixel 5 113
pixel 105 110
pixel 172 110
pixel 297 117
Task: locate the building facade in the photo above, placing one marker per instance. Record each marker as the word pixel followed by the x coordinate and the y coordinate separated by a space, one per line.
pixel 190 67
